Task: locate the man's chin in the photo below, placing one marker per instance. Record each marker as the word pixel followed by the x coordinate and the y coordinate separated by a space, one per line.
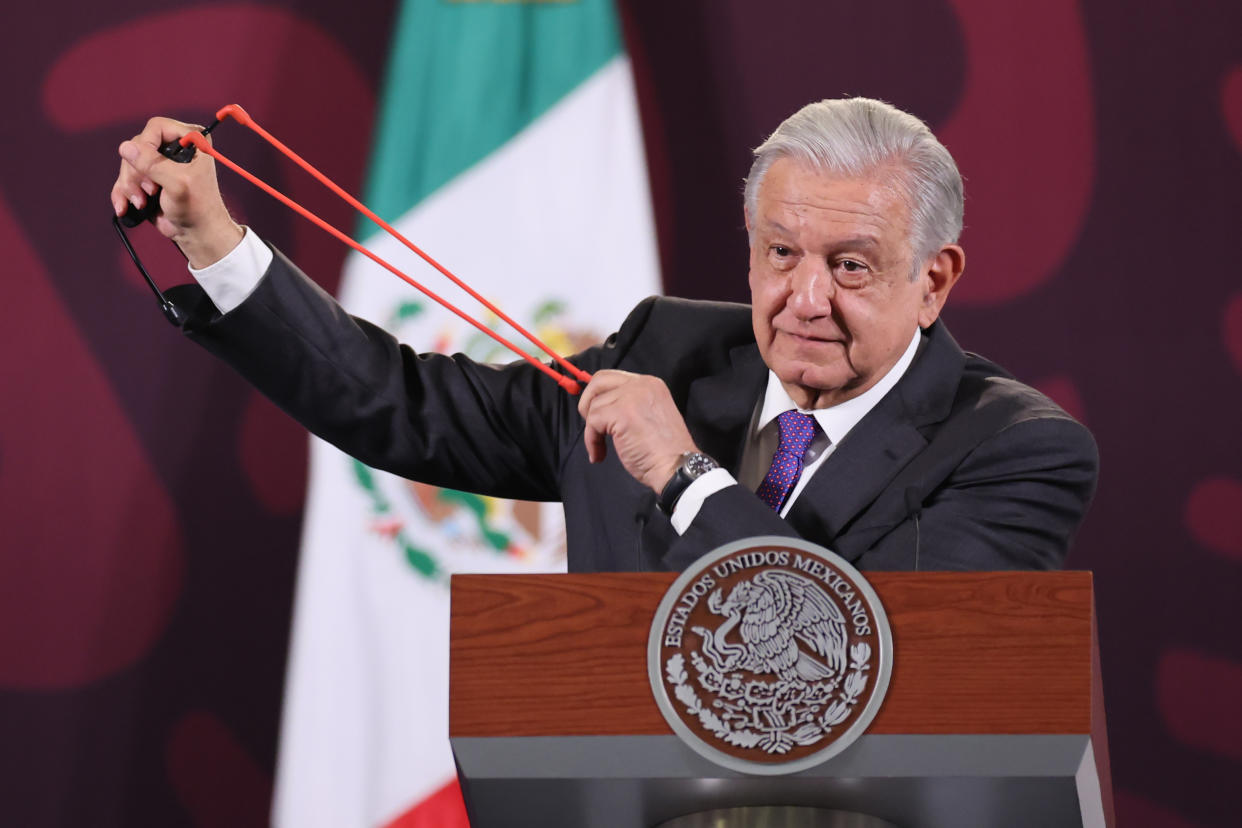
pixel 816 383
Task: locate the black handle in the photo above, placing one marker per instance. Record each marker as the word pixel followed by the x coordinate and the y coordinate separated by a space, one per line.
pixel 169 149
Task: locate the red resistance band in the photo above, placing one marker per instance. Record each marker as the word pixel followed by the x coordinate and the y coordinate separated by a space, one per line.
pixel 238 114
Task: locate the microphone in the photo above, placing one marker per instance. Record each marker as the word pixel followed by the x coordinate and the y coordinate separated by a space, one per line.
pixel 914 507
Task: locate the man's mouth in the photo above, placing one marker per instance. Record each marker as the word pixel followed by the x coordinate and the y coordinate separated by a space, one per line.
pixel 811 338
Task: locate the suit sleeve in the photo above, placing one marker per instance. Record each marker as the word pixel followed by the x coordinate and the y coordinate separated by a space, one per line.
pixel 443 420
pixel 1013 502
pixel 730 514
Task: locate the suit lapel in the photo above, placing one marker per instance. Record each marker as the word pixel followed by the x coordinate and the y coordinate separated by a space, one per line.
pixel 719 407
pixel 883 442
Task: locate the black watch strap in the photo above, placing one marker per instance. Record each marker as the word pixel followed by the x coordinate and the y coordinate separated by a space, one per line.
pixel 693 466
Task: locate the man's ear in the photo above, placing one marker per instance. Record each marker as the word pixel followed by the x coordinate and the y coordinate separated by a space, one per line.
pixel 939 276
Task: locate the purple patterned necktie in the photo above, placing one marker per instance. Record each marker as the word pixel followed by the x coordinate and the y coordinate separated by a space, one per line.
pixel 797 431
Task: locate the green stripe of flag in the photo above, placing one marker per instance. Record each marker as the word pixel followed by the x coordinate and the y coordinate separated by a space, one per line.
pixel 465 76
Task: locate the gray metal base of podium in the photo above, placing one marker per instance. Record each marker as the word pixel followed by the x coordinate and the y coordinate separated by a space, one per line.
pixel 775 816
pixel 908 781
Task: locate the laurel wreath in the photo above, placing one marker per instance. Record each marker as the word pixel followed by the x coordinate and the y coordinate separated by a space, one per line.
pixel 791 708
pixel 855 684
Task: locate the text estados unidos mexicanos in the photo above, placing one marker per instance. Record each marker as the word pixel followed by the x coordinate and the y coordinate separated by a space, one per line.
pixel 854 605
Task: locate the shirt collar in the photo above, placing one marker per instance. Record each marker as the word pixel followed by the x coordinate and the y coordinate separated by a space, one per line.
pixel 837 420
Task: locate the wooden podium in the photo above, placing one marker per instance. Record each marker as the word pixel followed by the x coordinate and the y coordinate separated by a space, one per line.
pixel 994 715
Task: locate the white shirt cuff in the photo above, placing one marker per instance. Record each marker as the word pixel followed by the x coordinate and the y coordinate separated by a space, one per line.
pixel 229 281
pixel 692 498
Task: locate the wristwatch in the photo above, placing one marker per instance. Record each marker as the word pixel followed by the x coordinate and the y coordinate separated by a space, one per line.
pixel 693 465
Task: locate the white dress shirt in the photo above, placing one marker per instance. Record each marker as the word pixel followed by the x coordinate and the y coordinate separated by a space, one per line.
pixel 229 281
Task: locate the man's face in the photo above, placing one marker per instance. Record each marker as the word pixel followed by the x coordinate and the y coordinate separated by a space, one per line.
pixel 832 302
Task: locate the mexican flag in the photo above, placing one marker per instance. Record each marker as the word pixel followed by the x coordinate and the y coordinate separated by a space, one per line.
pixel 508 147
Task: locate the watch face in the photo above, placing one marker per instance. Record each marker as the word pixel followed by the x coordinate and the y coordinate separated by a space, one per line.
pixel 697 465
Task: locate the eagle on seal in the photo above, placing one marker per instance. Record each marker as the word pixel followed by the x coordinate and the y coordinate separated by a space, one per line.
pixel 775 610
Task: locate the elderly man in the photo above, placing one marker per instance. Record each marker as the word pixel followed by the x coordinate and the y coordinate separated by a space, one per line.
pixel 836 407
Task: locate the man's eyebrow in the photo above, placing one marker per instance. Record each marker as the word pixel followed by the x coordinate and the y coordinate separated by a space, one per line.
pixel 865 242
pixel 868 243
pixel 770 224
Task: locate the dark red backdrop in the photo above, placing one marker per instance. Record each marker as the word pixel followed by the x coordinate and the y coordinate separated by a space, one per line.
pixel 150 503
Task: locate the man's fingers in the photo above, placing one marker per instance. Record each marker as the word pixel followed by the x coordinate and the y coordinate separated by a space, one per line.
pixel 142 167
pixel 589 408
pixel 162 130
pixel 593 405
pixel 119 197
pixel 145 172
pixel 142 152
pixel 192 213
pixel 601 382
pixel 143 159
pixel 638 414
pixel 596 446
pixel 586 398
pixel 125 193
pixel 127 188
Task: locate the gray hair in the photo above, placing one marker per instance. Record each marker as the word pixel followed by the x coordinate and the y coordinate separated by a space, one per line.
pixel 859 136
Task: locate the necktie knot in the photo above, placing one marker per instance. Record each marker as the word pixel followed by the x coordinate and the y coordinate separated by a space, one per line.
pixel 797 430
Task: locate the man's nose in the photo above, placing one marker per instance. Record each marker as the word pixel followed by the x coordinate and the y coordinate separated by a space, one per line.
pixel 812 290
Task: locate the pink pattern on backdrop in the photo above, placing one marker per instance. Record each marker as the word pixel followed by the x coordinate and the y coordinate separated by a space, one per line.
pixel 93 550
pixel 280 67
pixel 1064 393
pixel 1024 138
pixel 1214 515
pixel 1231 104
pixel 1197 696
pixel 1232 331
pixel 1134 811
pixel 273 455
pixel 217 781
pixel 289 74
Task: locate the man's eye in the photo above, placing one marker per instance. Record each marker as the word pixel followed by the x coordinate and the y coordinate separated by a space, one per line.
pixel 851 273
pixel 782 257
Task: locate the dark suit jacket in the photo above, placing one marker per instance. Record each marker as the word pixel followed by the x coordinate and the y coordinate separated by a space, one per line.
pixel 958 467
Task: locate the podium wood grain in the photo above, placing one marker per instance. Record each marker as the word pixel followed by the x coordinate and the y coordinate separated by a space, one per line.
pixel 975 653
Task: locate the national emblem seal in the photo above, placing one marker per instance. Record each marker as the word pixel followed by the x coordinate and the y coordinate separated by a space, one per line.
pixel 770 655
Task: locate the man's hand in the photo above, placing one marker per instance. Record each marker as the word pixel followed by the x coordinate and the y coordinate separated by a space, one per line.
pixel 192 213
pixel 647 430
